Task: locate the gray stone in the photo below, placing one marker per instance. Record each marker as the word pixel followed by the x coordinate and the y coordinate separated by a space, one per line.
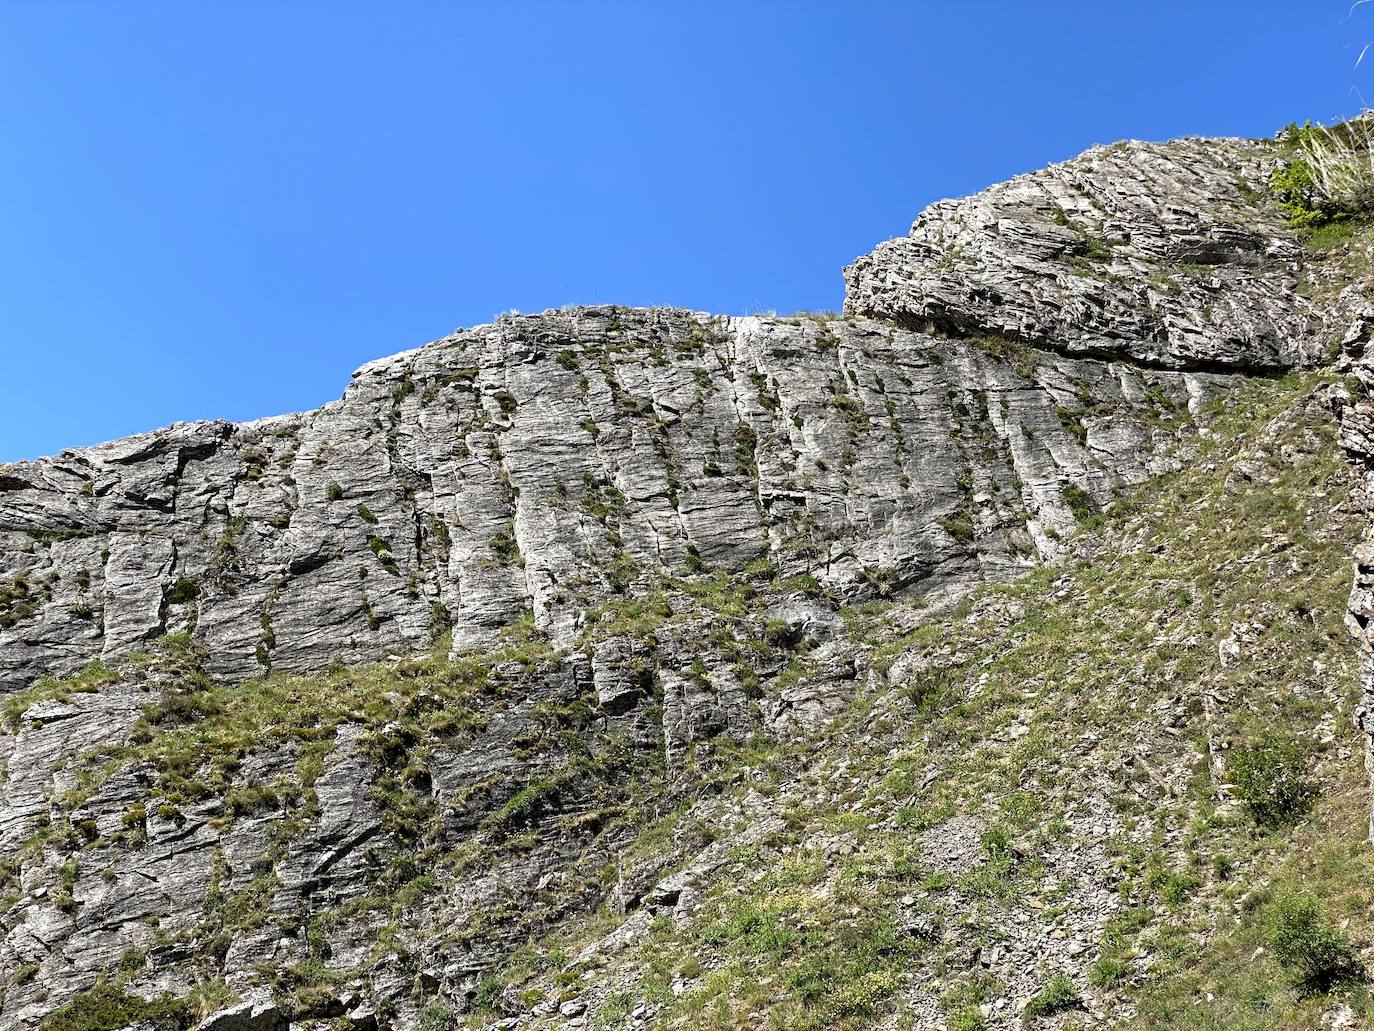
pixel 257 1013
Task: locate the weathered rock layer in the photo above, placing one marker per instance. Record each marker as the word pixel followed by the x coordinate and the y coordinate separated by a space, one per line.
pixel 545 463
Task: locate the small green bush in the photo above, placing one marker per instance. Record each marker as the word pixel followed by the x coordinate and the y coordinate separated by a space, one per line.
pixel 959 526
pixel 1081 504
pixel 487 995
pixel 437 1016
pixel 1269 777
pixel 1297 191
pixel 1058 995
pixel 1314 952
pixel 779 633
pixel 382 549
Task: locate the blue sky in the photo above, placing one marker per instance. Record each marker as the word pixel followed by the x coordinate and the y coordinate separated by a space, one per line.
pixel 220 209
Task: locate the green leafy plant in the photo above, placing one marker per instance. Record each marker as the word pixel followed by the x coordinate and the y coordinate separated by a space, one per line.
pixel 1314 952
pixel 1328 176
pixel 1269 776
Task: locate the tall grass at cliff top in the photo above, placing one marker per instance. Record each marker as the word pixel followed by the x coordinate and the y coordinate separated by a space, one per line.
pixel 1342 162
pixel 1327 178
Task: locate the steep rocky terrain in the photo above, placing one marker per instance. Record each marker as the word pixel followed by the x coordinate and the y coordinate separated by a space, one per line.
pixel 617 667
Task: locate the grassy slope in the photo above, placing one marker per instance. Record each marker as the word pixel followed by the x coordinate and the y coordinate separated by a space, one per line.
pixel 1078 723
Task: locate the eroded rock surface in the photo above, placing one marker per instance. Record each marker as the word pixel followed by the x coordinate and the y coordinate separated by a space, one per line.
pixel 1172 254
pixel 546 463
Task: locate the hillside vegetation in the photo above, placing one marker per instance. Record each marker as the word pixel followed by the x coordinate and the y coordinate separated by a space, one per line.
pixel 1124 789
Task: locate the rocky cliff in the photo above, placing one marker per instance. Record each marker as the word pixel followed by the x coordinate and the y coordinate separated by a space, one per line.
pixel 449 699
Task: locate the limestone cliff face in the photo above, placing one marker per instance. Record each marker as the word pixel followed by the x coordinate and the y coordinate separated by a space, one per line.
pixel 547 462
pixel 538 489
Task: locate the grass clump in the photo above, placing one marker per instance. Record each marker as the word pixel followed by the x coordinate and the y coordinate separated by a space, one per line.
pixel 1014 352
pixel 959 525
pixel 1058 995
pixel 106 1007
pixel 87 681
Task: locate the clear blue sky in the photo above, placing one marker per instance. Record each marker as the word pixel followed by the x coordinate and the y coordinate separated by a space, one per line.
pixel 220 209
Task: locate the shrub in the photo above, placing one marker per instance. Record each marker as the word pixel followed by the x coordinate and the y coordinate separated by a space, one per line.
pixel 333 492
pixel 504 546
pixel 1269 777
pixel 1312 950
pixel 382 549
pixel 779 633
pixel 437 1016
pixel 1340 163
pixel 487 995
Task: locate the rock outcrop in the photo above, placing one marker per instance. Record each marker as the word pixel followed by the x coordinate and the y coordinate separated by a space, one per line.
pixel 548 462
pixel 1172 255
pixel 1357 438
pixel 359 699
